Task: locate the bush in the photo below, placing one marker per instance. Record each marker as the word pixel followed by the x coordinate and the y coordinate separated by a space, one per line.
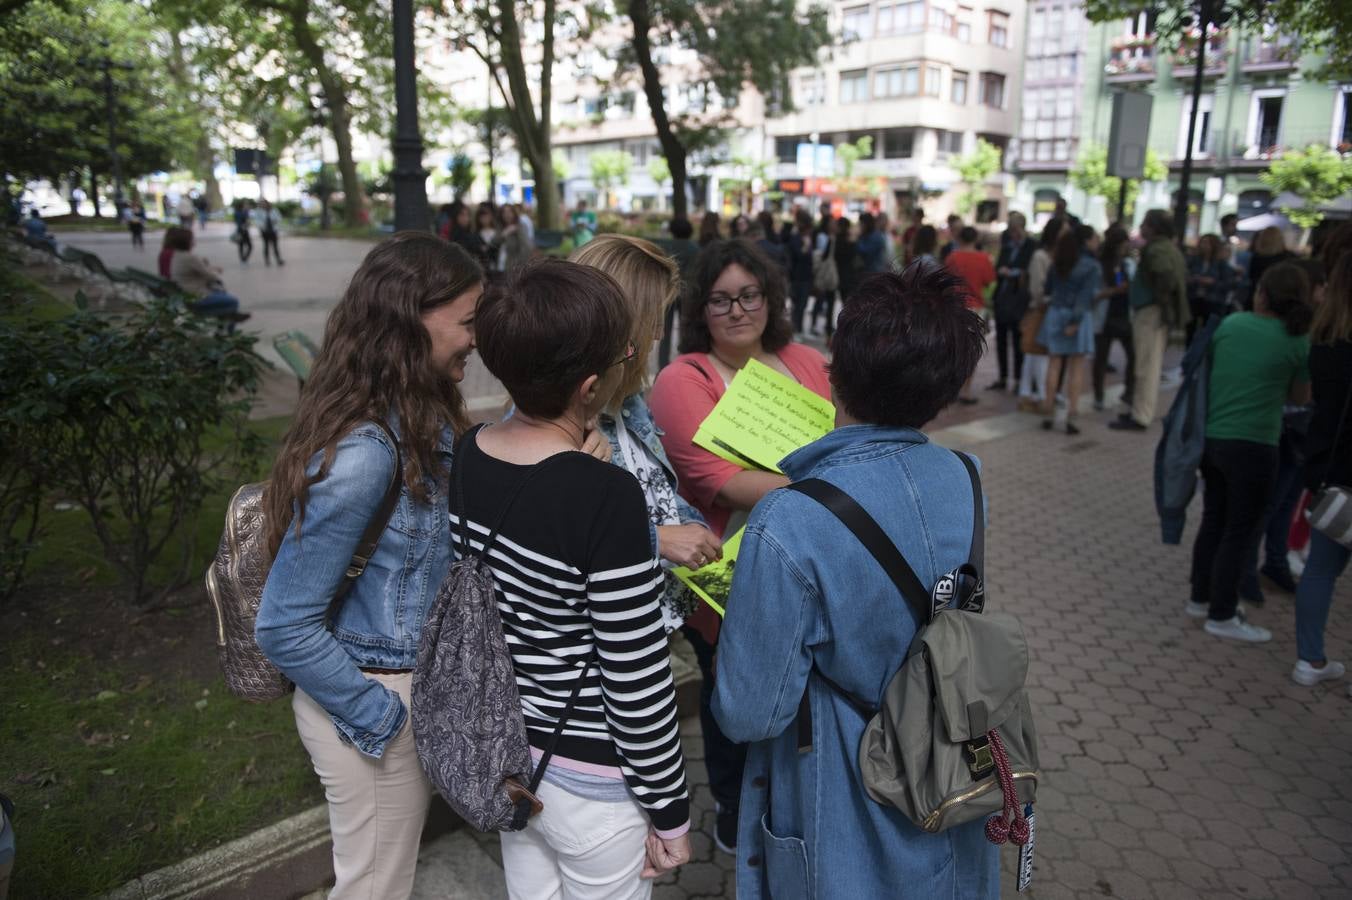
pixel 288 209
pixel 137 418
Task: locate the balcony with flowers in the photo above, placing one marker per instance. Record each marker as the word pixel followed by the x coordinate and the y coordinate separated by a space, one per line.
pixel 1131 59
pixel 1271 53
pixel 1184 62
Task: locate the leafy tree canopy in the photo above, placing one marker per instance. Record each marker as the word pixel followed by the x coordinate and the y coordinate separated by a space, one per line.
pixel 1090 174
pixel 1317 175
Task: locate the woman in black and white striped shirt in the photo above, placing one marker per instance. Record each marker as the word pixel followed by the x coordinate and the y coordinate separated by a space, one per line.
pixel 578 586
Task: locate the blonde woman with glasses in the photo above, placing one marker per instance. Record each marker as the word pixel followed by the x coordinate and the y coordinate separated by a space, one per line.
pixel 650 281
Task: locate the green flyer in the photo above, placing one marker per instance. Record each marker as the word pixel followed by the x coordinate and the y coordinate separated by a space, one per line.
pixel 713 583
pixel 762 418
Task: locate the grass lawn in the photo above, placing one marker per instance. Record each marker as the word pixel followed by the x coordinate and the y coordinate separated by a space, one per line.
pixel 119 743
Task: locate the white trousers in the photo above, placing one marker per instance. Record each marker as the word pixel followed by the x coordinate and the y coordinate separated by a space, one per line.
pixel 376 806
pixel 1034 368
pixel 578 850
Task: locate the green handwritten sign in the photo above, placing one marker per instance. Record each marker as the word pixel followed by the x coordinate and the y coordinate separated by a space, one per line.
pixel 713 583
pixel 762 418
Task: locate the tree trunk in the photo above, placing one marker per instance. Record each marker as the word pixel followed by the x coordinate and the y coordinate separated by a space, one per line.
pixel 73 183
pixel 203 157
pixel 340 116
pixel 532 133
pixel 94 191
pixel 672 148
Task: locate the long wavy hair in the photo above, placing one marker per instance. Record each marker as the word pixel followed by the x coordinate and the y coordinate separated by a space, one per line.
pixel 650 281
pixel 376 360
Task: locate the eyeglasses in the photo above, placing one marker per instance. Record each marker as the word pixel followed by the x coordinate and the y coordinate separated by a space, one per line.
pixel 749 300
pixel 630 351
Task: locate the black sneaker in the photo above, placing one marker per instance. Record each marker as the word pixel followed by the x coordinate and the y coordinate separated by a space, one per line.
pixel 725 829
pixel 1280 577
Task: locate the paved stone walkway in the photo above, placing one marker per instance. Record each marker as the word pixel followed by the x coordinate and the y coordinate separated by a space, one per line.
pixel 1176 765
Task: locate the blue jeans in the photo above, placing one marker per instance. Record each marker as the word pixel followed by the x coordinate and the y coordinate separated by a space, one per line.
pixel 1314 594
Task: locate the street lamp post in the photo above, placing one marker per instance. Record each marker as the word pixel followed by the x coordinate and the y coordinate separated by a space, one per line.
pixel 409 177
pixel 1208 12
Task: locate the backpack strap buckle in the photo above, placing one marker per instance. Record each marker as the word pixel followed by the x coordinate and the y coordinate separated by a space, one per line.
pixel 980 760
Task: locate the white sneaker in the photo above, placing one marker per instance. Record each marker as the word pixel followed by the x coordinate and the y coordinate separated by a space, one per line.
pixel 1197 610
pixel 1236 629
pixel 1308 675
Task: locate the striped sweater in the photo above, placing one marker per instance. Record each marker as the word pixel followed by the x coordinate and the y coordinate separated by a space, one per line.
pixel 573 568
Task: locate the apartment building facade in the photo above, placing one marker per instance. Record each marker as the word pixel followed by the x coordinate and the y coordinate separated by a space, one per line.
pixel 1258 101
pixel 925 79
pixel 1051 106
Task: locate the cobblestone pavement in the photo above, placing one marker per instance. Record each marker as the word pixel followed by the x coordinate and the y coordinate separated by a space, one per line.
pixel 1175 765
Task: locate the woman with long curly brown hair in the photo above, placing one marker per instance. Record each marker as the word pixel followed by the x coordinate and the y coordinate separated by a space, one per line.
pixel 381 400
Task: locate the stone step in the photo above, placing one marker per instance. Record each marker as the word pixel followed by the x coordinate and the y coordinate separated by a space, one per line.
pixel 455 866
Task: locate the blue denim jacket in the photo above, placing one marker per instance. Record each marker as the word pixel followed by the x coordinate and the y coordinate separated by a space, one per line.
pixel 380 620
pixel 639 420
pixel 805 591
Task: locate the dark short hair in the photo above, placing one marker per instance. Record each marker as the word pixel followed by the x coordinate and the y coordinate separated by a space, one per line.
pixel 710 263
pixel 547 327
pixel 1050 232
pixel 1160 222
pixel 967 235
pixel 681 229
pixel 1229 217
pixel 867 223
pixel 1286 288
pixel 926 239
pixel 904 346
pixel 178 238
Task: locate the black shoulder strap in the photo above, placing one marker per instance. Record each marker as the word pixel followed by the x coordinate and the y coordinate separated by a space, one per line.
pixel 874 539
pixel 366 547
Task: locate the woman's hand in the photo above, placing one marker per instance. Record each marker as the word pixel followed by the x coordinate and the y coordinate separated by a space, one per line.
pixel 1072 329
pixel 594 443
pixel 665 854
pixel 690 545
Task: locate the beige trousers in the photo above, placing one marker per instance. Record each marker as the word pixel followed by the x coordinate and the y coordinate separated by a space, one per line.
pixel 1150 337
pixel 376 806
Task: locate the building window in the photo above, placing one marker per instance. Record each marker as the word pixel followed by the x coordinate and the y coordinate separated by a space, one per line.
pixel 959 88
pixel 898 143
pixel 950 142
pixel 901 18
pixel 1037 23
pixel 786 148
pixel 1201 139
pixel 998 30
pixel 854 86
pixel 941 20
pixel 1061 150
pixel 1265 122
pixel 902 81
pixel 993 89
pixel 962 30
pixel 855 24
pixel 1342 120
pixel 934 80
pixel 812 89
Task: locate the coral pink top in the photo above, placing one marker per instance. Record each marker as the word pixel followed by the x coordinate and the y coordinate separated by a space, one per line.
pixel 682 397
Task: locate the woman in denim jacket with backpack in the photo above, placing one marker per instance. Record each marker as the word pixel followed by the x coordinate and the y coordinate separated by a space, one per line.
pixel 395 349
pixel 807 593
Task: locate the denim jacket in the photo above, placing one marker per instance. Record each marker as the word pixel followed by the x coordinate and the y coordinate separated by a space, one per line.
pixel 380 620
pixel 639 420
pixel 807 593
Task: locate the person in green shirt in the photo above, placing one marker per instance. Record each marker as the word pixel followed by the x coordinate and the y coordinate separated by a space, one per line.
pixel 1258 361
pixel 583 222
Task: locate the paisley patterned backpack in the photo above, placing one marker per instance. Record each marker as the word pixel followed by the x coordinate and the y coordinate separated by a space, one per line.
pixel 467 719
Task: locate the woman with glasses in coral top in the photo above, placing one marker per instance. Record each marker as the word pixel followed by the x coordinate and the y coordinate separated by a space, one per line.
pixel 733 312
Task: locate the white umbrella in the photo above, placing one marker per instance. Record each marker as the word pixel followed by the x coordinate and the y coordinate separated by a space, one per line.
pixel 1264 220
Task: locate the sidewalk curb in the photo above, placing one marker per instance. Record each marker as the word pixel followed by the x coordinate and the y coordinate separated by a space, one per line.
pixel 283 860
pixel 294 857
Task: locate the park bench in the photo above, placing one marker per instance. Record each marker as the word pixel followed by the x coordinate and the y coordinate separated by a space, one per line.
pixel 160 287
pixel 94 264
pixel 297 351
